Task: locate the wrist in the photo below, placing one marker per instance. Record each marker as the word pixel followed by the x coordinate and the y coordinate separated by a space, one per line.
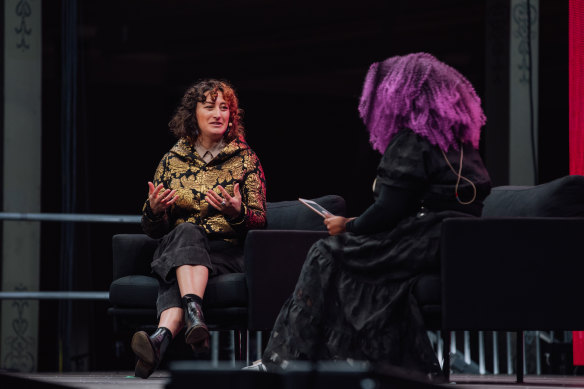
pixel 237 218
pixel 349 224
pixel 150 214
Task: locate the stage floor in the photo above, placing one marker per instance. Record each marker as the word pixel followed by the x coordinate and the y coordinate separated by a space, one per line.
pixel 126 380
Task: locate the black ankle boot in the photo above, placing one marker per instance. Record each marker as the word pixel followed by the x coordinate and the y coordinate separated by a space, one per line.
pixel 150 350
pixel 197 333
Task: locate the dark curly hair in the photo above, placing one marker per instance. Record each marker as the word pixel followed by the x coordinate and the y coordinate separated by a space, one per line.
pixel 184 122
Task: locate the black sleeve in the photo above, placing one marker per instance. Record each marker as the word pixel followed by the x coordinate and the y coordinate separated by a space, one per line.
pixel 392 205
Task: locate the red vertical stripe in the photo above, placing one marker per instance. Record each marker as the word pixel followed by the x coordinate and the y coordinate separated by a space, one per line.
pixel 576 58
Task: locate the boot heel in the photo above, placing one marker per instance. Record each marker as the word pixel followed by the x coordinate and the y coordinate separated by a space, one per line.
pixel 196 335
pixel 143 370
pixel 201 347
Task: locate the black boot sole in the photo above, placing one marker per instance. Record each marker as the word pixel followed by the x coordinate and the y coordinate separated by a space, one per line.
pixel 143 349
pixel 198 338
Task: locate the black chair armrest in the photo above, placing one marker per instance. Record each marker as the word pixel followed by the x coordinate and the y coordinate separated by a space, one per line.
pixel 132 254
pixel 273 260
pixel 512 273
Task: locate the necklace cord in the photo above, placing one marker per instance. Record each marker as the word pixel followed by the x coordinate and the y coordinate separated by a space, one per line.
pixel 459 176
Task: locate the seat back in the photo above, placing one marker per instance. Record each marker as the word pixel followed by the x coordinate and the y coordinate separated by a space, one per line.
pixel 562 197
pixel 293 215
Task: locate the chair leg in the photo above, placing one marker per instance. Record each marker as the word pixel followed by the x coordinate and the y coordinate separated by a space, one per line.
pixel 215 348
pixel 232 346
pixel 259 345
pixel 247 363
pixel 446 354
pixel 520 352
pixel 241 346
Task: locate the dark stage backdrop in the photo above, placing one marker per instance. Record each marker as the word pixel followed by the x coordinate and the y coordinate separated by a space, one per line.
pixel 298 67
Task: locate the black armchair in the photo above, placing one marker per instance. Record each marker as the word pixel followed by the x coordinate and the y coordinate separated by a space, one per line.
pixel 237 301
pixel 519 266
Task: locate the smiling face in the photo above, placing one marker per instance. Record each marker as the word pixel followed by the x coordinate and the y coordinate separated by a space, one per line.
pixel 212 118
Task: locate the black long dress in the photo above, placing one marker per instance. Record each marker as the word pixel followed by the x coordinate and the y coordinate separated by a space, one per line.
pixel 353 298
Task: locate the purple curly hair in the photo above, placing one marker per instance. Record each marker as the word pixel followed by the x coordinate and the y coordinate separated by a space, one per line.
pixel 419 92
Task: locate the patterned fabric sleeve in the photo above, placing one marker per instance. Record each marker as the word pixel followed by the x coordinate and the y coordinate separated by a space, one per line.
pixel 153 225
pixel 253 197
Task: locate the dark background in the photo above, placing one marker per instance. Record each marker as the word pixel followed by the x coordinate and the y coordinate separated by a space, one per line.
pixel 298 68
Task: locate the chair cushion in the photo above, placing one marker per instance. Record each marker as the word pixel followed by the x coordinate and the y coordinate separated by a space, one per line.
pixel 563 197
pixel 134 291
pixel 226 290
pixel 293 215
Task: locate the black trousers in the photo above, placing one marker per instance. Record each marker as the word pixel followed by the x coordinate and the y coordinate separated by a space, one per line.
pixel 188 244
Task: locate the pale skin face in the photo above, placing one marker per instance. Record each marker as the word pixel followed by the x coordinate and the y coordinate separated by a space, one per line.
pixel 213 119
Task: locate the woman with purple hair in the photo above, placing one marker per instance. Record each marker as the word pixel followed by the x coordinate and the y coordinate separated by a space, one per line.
pixel 353 299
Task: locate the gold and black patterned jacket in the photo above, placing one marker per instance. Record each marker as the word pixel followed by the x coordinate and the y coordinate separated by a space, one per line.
pixel 183 169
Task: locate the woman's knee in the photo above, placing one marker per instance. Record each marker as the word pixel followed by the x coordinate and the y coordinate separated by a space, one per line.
pixel 188 233
pixel 187 228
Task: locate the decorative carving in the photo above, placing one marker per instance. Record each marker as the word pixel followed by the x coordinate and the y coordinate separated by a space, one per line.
pixel 23 10
pixel 521 24
pixel 20 355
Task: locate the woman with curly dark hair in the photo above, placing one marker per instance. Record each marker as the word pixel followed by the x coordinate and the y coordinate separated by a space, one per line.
pixel 354 298
pixel 207 191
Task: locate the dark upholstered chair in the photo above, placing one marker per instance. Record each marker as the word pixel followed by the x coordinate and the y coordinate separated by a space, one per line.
pixel 238 301
pixel 520 266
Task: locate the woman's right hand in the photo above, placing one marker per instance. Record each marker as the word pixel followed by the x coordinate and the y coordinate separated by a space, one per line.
pixel 160 201
pixel 335 224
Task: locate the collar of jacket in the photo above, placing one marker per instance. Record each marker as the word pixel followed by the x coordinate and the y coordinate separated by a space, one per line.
pixel 184 150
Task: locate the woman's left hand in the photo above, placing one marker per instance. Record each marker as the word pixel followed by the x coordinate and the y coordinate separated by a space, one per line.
pixel 226 204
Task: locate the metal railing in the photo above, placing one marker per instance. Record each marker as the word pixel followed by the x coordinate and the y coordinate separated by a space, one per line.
pixel 487 343
pixel 69 217
pixel 62 217
pixel 46 295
